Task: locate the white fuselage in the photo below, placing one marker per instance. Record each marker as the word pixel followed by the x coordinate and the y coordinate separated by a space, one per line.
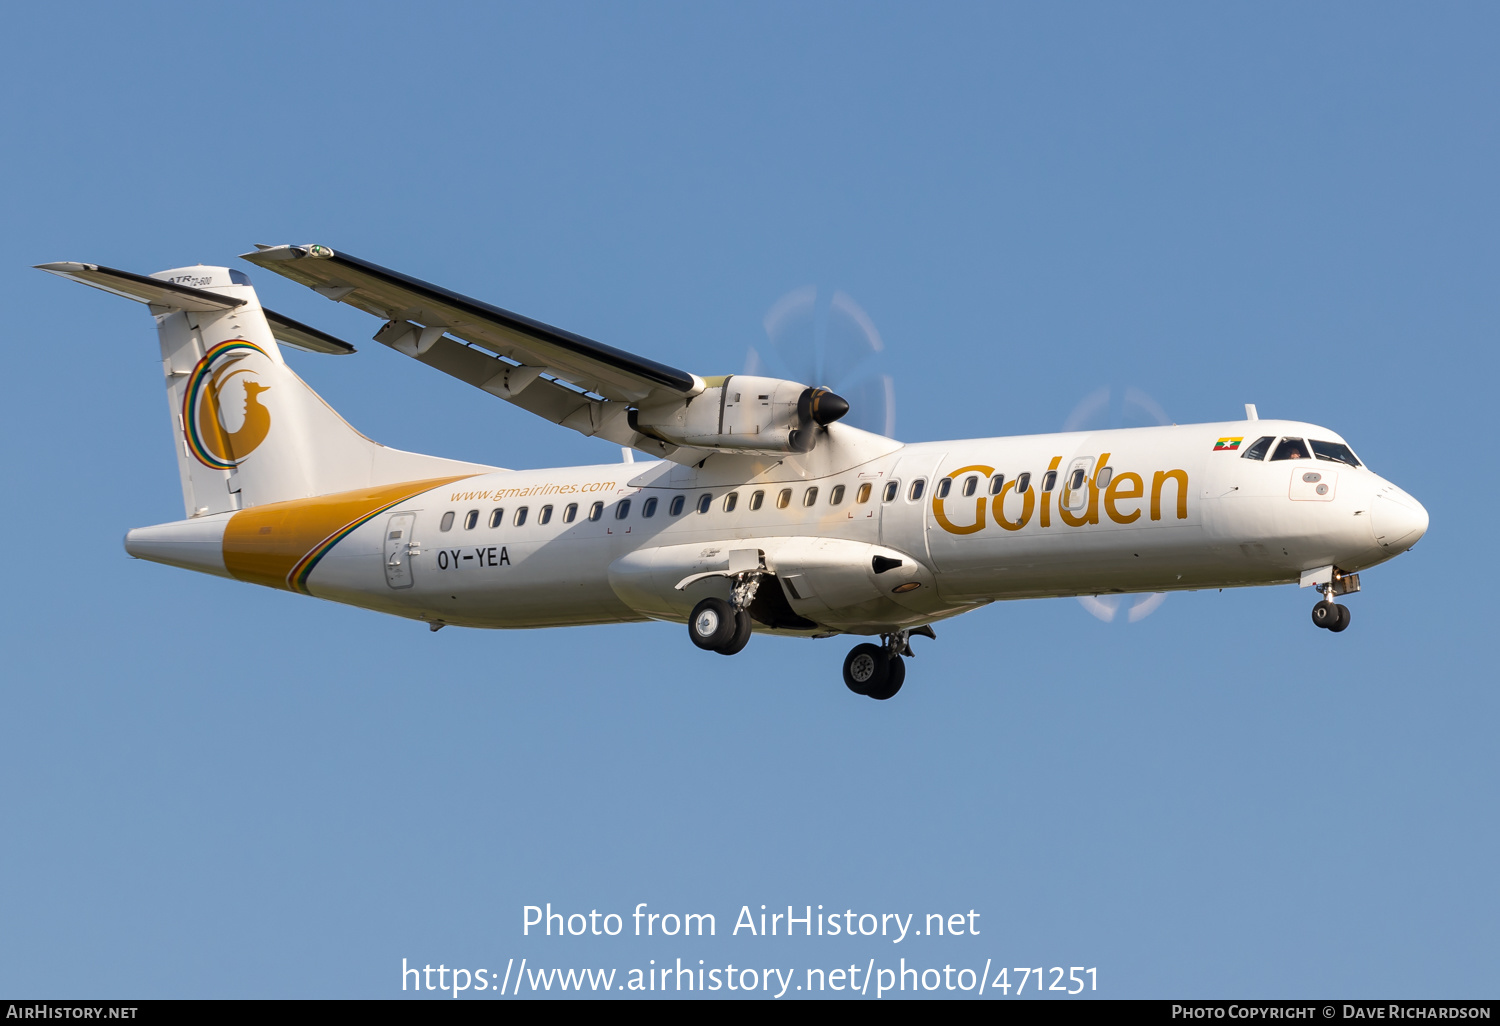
pixel 1170 513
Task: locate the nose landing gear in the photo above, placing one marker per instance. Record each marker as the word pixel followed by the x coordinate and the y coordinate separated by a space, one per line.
pixel 878 671
pixel 1331 616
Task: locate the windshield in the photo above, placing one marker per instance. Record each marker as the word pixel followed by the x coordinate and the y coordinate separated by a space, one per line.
pixel 1334 452
pixel 1259 449
pixel 1291 449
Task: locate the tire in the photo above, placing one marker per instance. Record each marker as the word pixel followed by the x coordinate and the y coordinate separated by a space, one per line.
pixel 1325 614
pixel 866 667
pixel 1342 623
pixel 895 677
pixel 712 624
pixel 741 636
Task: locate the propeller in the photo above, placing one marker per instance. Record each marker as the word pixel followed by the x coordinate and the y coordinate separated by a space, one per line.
pixel 1115 407
pixel 824 338
pixel 816 407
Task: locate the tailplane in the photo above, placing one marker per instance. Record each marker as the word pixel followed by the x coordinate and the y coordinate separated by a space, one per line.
pixel 248 430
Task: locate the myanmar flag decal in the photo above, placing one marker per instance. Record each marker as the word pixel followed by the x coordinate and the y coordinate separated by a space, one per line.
pixel 1228 443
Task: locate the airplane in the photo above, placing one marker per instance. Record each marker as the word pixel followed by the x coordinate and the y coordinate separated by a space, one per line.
pixel 757 512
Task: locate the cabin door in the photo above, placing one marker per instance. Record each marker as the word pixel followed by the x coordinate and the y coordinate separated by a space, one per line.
pixel 400 547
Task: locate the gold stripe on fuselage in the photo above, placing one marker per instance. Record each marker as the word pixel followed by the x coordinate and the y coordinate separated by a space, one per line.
pixel 262 544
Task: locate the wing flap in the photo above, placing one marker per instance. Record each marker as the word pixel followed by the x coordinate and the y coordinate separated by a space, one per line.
pixel 541 395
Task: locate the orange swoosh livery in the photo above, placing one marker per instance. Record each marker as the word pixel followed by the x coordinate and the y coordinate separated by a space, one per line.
pixel 280 543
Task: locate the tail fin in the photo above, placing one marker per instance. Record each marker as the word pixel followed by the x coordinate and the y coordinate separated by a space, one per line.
pixel 248 430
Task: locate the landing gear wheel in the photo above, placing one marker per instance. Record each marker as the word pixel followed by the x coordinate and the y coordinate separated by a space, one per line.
pixel 894 678
pixel 866 668
pixel 1325 614
pixel 1342 623
pixel 712 624
pixel 741 636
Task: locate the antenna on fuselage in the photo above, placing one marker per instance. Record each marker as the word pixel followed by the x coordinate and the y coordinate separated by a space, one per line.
pixel 1250 413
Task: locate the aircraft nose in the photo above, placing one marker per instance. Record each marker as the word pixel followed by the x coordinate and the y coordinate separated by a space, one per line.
pixel 1398 519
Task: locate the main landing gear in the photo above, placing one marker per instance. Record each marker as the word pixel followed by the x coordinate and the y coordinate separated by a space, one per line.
pixel 721 626
pixel 878 671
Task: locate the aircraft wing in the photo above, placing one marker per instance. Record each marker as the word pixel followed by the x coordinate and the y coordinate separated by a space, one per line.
pixel 588 386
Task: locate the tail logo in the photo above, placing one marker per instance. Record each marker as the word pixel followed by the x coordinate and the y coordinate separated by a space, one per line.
pixel 208 436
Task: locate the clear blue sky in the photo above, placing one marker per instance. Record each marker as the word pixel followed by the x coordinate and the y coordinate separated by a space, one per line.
pixel 212 789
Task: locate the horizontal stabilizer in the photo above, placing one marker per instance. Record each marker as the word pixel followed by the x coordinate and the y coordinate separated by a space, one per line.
pixel 177 296
pixel 301 336
pixel 141 288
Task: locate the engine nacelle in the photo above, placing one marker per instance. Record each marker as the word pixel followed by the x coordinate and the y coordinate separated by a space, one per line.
pixel 744 413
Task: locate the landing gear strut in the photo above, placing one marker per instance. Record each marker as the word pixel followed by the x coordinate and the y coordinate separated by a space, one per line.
pixel 878 671
pixel 724 626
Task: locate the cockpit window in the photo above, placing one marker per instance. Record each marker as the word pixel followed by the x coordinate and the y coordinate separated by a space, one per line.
pixel 1291 449
pixel 1259 449
pixel 1334 452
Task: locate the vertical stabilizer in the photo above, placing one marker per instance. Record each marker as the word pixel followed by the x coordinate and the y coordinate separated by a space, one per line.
pixel 248 430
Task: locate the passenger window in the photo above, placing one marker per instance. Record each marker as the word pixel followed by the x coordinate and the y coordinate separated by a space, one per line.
pixel 622 509
pixel 892 489
pixel 1334 452
pixel 496 515
pixel 446 524
pixel 783 498
pixel 1104 477
pixel 944 486
pixel 836 496
pixel 704 501
pixel 997 483
pixel 970 485
pixel 863 495
pixel 756 498
pixel 648 508
pixel 1049 480
pixel 1259 449
pixel 520 516
pixel 810 496
pixel 1290 449
pixel 917 488
pixel 675 508
pixel 545 516
pixel 1023 484
pixel 596 512
pixel 1078 478
pixel 730 501
pixel 470 519
pixel 570 512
